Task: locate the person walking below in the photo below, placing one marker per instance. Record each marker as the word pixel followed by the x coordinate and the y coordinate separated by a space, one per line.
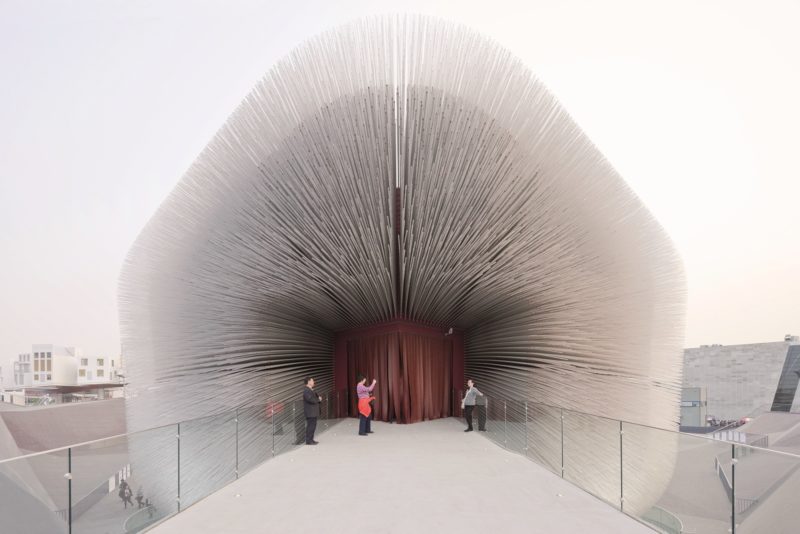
pixel 311 409
pixel 468 403
pixel 364 409
pixel 125 493
pixel 123 487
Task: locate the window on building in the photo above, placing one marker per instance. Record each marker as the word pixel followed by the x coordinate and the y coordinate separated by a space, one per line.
pixel 82 372
pixel 112 363
pixel 36 365
pixel 49 354
pixel 35 354
pixel 49 376
pixel 84 361
pixel 101 362
pixel 100 373
pixel 49 365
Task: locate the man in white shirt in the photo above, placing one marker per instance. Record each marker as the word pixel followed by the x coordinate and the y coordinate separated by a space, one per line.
pixel 468 403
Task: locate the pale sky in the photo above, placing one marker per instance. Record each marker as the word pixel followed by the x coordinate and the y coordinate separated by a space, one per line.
pixel 104 104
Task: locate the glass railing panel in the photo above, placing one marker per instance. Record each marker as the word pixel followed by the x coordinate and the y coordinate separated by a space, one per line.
pixel 767 486
pixel 495 420
pixel 103 487
pixel 254 437
pixel 125 484
pixel 592 455
pixel 674 479
pixel 290 426
pixel 279 421
pixel 544 436
pixel 207 456
pixel 326 416
pixel 516 430
pixel 128 483
pixel 35 494
pixel 480 415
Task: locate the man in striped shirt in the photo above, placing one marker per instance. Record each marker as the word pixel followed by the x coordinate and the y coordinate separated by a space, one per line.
pixel 468 403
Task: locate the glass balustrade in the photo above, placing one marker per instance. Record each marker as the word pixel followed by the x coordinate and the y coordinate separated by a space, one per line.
pixel 125 484
pixel 544 431
pixel 674 482
pixel 766 484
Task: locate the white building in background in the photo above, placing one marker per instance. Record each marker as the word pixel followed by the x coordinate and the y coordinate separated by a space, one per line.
pixel 23 373
pixel 97 369
pixel 56 365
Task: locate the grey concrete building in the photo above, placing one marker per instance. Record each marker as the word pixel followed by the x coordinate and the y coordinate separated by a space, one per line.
pixel 742 380
pixel 694 404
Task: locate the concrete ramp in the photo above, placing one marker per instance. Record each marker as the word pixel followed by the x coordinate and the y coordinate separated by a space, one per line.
pixel 50 427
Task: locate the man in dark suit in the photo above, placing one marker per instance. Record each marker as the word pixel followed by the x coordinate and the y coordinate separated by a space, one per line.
pixel 311 409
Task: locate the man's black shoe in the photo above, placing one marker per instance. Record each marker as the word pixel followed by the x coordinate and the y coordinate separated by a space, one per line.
pixel 468 430
pixel 370 432
pixel 311 442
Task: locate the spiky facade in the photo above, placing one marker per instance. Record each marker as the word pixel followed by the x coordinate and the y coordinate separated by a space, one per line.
pixel 512 227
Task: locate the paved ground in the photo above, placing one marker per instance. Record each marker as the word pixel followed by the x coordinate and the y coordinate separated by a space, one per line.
pixel 427 477
pixel 107 516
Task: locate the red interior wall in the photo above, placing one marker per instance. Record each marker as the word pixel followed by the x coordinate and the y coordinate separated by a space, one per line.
pixel 340 347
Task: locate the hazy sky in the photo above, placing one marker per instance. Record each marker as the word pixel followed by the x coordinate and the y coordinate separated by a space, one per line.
pixel 104 104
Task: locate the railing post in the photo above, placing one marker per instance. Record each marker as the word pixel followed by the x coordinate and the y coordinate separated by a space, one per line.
pixel 236 419
pixel 178 438
pixel 69 490
pixel 562 442
pixel 621 492
pixel 272 425
pixel 323 412
pixel 733 488
pixel 505 424
pixel 526 428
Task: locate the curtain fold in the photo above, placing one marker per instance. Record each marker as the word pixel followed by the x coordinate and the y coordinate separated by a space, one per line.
pixel 413 371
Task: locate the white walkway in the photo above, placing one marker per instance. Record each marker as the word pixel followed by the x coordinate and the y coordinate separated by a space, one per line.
pixel 427 477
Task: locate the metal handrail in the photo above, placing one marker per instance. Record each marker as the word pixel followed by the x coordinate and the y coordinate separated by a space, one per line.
pixel 251 405
pixel 117 436
pixel 694 436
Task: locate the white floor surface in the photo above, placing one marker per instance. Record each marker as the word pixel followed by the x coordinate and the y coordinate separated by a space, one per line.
pixel 428 477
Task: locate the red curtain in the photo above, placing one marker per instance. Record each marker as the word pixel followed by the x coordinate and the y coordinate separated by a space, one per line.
pixel 413 372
